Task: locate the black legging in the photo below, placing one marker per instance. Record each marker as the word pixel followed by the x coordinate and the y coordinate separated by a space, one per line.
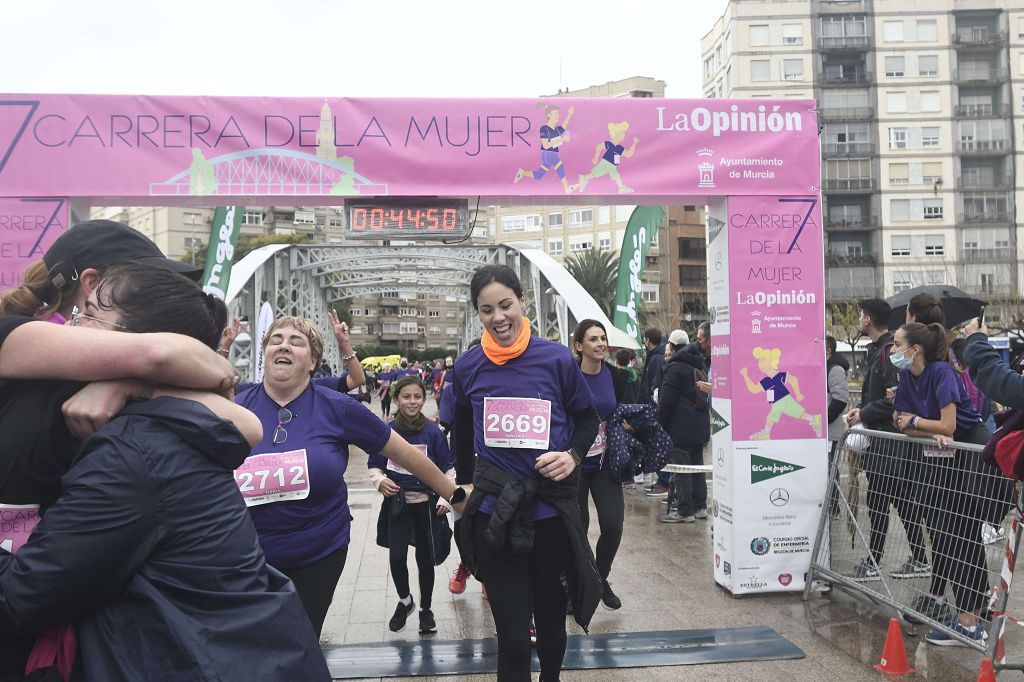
pixel 611 510
pixel 892 470
pixel 316 584
pixel 415 518
pixel 961 493
pixel 514 581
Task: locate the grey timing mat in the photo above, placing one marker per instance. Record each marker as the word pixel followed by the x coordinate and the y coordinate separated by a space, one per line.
pixel 583 652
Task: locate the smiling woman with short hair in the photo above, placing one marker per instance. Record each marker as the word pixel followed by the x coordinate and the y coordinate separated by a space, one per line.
pixel 294 480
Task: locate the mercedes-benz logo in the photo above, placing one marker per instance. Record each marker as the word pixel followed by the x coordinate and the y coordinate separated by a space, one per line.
pixel 779 497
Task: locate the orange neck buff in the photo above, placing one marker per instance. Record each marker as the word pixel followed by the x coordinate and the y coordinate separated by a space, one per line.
pixel 499 354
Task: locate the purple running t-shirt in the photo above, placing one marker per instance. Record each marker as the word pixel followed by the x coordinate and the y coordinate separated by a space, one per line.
pixel 603 389
pixel 299 532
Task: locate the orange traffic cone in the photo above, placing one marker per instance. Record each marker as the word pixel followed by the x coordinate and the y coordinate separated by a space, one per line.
pixel 986 674
pixel 894 655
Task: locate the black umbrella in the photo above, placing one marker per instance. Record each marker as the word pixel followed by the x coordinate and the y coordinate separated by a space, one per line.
pixel 957 306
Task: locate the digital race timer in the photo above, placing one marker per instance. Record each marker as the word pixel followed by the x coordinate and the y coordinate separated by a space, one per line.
pixel 407 218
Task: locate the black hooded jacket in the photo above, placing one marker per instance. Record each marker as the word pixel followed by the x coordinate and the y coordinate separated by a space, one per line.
pixel 682 407
pixel 151 551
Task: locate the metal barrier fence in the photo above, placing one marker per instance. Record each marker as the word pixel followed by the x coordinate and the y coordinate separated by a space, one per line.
pixel 931 532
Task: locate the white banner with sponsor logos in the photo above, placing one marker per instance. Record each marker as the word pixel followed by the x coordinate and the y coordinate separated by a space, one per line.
pixel 766 297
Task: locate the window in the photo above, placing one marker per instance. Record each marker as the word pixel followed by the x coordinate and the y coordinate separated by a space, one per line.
pixel 934 245
pixel 335 222
pixel 252 218
pixel 650 293
pixel 897 138
pixel 839 248
pixel 581 218
pixel 792 34
pixel 927 31
pixel 930 101
pixel 895 66
pixel 934 276
pixel 793 69
pixel 988 281
pixel 896 102
pixel 693 275
pixel 623 212
pixel 391 327
pixel 451 331
pixel 933 209
pixel 692 247
pixel 654 240
pixel 304 218
pixel 901 280
pixel 758 35
pixel 389 294
pixel 407 312
pixel 433 313
pixel 408 328
pixel 555 247
pixel 930 137
pixel 604 215
pixel 893 31
pixel 521 223
pixel 555 220
pixel 928 65
pixel 1020 27
pixel 760 70
pixel 846 215
pixel 901 245
pixel 899 209
pixel 931 172
pixel 899 173
pixel 434 331
pixel 577 247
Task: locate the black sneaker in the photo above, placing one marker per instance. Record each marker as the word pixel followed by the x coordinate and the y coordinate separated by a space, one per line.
pixel 397 622
pixel 427 624
pixel 610 600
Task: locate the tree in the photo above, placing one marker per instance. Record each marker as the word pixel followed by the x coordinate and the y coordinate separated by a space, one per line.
pixel 596 271
pixel 247 243
pixel 843 324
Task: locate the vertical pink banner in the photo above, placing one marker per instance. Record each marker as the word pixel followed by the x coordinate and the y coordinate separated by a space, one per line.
pixel 777 294
pixel 27 229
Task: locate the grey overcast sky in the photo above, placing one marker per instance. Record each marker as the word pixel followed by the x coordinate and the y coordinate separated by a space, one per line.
pixel 353 48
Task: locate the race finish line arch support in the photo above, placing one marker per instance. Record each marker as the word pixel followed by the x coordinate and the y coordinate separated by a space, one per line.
pixel 756 163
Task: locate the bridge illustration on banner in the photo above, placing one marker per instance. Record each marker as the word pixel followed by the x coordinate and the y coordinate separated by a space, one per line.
pixel 268 172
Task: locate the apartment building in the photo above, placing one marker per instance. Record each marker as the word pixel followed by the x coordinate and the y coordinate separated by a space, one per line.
pixel 921 104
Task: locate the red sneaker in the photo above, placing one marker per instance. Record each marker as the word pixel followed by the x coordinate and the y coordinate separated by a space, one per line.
pixel 485 591
pixel 457 585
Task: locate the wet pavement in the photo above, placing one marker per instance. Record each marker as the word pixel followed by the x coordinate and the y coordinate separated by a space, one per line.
pixel 663 574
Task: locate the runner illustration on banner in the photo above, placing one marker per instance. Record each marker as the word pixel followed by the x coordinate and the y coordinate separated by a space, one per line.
pixel 608 155
pixel 552 137
pixel 776 385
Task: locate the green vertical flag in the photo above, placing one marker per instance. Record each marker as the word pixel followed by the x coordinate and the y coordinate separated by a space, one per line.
pixel 220 254
pixel 642 225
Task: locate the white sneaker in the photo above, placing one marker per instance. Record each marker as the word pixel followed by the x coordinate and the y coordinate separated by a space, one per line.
pixel 990 534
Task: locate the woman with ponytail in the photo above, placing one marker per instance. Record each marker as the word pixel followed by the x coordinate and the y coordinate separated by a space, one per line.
pixel 409 514
pixel 931 402
pixel 524 409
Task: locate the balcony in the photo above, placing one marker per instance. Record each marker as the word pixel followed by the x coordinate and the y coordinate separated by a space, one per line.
pixel 847 114
pixel 846 282
pixel 837 260
pixel 983 184
pixel 981 110
pixel 979 76
pixel 846 7
pixel 852 224
pixel 858 78
pixel 835 43
pixel 832 149
pixel 859 185
pixel 988 255
pixel 977 37
pixel 984 218
pixel 987 147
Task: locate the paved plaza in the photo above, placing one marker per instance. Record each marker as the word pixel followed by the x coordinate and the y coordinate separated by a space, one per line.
pixel 664 576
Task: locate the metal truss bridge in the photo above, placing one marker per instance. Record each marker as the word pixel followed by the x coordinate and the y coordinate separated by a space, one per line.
pixel 305 280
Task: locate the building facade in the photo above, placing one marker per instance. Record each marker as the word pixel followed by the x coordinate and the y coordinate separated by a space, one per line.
pixel 921 104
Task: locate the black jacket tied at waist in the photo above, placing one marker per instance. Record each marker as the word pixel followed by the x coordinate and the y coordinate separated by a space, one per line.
pixel 512 521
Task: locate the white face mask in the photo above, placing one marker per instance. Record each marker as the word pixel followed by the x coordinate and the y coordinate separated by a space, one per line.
pixel 900 360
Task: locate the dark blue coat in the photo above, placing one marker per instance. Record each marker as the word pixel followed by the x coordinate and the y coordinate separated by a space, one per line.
pixel 150 551
pixel 682 408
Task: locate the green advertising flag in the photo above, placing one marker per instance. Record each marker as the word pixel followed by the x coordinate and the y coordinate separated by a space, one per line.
pixel 643 223
pixel 219 255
